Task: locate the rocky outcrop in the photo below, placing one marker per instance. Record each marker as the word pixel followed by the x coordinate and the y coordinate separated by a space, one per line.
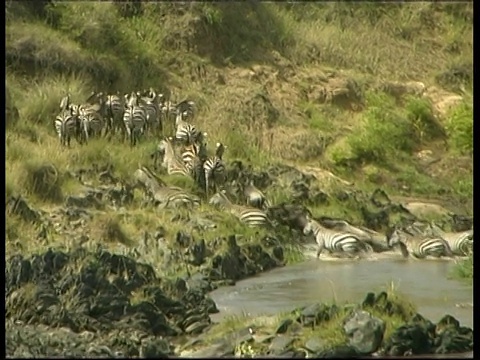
pixel 360 332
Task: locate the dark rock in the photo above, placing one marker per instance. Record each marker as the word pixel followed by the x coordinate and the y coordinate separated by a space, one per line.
pixel 314 344
pixel 243 335
pixel 16 205
pixel 411 339
pixel 85 201
pixel 338 352
pixel 100 292
pixel 221 349
pixel 380 199
pixel 263 339
pixel 447 322
pixel 278 254
pixel 369 300
pixel 290 215
pixel 120 196
pixel 197 327
pixel 202 224
pixel 280 344
pixel 461 223
pixel 318 198
pixel 315 314
pixel 375 220
pixel 364 331
pixel 300 191
pixel 182 239
pixel 197 252
pixel 283 327
pixel 451 337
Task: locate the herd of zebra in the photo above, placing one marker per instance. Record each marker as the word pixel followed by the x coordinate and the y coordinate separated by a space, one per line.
pixel 418 240
pixel 185 154
pixel 134 115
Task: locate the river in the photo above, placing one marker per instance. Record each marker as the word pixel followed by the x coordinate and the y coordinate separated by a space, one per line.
pixel 425 282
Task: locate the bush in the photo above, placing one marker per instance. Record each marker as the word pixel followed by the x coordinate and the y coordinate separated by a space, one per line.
pixel 460 128
pixel 420 114
pixel 385 131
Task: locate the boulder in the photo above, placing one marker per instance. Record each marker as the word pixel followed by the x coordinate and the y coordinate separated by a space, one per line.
pixel 364 331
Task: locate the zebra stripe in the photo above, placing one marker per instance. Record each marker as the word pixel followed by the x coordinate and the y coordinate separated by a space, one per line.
pixel 250 216
pixel 255 197
pixel 66 127
pixel 186 108
pixel 214 169
pixel 134 119
pixel 185 132
pixel 461 243
pixel 114 109
pixel 174 197
pixel 149 104
pixel 91 124
pixel 419 246
pixel 247 215
pixel 333 241
pixel 171 161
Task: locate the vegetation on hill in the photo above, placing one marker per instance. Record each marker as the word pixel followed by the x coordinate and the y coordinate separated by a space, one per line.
pixel 361 90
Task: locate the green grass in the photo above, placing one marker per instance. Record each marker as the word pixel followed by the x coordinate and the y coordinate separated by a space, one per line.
pixel 464 269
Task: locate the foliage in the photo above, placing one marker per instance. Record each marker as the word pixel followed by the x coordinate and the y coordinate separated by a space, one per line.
pixel 460 128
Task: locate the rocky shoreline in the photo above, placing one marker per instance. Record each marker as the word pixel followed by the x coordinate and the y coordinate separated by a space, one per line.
pixel 101 304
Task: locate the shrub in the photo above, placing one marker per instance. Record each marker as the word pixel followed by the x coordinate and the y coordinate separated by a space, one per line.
pixel 460 128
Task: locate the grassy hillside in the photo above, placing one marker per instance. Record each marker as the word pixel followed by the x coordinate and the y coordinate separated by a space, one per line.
pixel 379 95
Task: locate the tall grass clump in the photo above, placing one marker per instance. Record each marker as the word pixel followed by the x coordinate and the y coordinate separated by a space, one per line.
pixel 460 128
pixel 464 269
pixel 384 132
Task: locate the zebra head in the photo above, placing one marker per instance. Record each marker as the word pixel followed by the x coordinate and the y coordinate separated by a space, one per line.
pixel 65 102
pixel 131 100
pixel 308 228
pixel 396 238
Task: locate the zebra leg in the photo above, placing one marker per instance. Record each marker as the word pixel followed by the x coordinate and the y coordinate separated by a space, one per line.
pixel 319 251
pixel 448 251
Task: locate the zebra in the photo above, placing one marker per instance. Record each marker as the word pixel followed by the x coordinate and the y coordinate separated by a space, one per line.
pixel 214 169
pixel 185 132
pixel 186 108
pixel 196 150
pixel 417 245
pixel 163 195
pixel 90 125
pixel 368 236
pixel 146 179
pixel 114 110
pixel 174 197
pixel 194 157
pixel 149 101
pixel 255 197
pixel 65 102
pixel 66 126
pixel 171 161
pixel 252 217
pixel 334 241
pixel 461 243
pixel 134 119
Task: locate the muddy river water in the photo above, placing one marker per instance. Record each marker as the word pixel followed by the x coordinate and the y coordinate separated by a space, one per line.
pixel 425 282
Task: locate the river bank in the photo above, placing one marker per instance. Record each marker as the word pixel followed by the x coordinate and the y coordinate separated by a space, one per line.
pixel 102 304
